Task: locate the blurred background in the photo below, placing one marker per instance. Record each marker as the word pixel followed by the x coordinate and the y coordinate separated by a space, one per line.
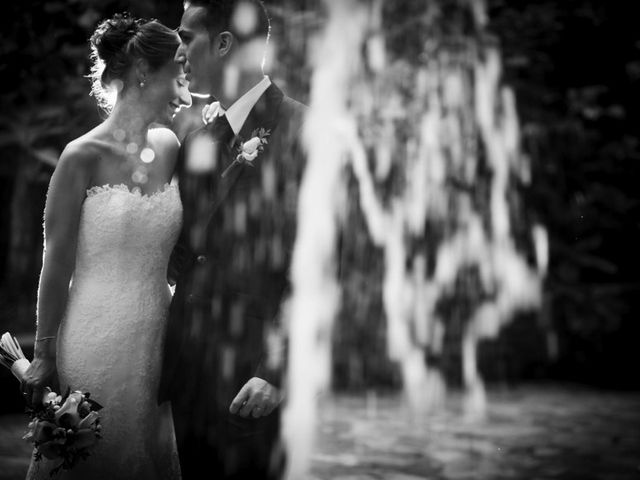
pixel 574 68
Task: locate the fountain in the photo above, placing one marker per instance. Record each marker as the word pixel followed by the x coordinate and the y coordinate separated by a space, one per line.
pixel 429 134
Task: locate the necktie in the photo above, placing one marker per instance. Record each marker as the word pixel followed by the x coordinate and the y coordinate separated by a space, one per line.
pixel 221 129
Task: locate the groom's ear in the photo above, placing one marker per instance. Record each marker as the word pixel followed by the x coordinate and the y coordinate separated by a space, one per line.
pixel 224 43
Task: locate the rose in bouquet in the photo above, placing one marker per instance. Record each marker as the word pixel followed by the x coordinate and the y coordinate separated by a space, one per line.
pixel 64 427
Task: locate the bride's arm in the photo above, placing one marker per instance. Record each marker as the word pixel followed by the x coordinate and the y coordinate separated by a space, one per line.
pixel 67 190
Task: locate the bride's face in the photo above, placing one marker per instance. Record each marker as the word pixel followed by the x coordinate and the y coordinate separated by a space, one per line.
pixel 167 91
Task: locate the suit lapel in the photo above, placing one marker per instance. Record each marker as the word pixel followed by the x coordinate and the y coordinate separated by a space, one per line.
pixel 265 114
pixel 223 185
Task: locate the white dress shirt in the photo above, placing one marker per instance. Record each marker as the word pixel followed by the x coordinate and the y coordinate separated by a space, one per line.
pixel 238 112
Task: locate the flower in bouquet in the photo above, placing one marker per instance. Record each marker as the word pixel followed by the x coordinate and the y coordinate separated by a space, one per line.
pixel 64 428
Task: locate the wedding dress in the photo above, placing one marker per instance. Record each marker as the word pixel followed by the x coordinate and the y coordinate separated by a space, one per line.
pixel 110 340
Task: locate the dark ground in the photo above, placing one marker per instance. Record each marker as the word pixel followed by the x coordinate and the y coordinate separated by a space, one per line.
pixel 534 433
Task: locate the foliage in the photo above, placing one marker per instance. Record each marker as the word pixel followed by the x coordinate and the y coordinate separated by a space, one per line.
pixel 575 66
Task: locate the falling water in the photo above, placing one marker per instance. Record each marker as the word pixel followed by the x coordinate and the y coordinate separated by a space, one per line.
pixel 315 289
pixel 433 143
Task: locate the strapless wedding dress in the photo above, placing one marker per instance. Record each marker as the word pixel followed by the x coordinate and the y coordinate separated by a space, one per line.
pixel 110 340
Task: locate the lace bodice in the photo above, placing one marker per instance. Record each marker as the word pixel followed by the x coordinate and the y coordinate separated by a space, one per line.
pixel 123 231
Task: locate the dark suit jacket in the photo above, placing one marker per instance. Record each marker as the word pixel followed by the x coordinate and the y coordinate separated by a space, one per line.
pixel 232 259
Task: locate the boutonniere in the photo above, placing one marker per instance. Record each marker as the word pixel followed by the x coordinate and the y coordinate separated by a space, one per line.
pixel 248 151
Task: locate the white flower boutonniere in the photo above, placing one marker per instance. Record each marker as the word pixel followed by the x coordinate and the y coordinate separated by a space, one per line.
pixel 248 151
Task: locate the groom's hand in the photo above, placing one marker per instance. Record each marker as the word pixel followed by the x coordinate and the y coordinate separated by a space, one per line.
pixel 257 398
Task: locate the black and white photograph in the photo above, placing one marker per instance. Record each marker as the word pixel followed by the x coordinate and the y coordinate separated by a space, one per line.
pixel 319 240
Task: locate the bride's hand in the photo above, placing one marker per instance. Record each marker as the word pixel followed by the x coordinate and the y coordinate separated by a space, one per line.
pixel 41 373
pixel 210 111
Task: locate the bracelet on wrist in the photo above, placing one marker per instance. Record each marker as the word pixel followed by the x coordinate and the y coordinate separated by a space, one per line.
pixel 45 338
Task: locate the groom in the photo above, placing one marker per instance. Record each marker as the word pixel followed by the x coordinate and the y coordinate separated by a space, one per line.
pixel 239 178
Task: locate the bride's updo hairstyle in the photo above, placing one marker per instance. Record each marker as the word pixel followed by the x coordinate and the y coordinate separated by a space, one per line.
pixel 117 43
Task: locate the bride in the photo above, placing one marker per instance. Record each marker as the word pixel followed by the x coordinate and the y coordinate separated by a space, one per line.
pixel 111 219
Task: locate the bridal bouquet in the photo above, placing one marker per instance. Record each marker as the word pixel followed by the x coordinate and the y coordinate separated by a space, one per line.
pixel 63 427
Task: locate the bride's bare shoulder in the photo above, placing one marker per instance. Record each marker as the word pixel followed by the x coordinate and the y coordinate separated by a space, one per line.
pixel 163 138
pixel 86 150
pixel 164 143
pixel 80 157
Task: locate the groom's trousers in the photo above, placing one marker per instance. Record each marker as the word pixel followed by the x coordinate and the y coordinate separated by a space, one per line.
pixel 228 447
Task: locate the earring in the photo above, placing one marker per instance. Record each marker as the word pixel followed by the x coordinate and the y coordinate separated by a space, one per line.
pixel 142 84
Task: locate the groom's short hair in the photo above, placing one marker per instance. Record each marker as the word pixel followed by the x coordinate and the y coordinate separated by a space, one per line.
pixel 221 17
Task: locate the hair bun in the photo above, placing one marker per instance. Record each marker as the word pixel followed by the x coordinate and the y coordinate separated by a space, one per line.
pixel 116 44
pixel 113 34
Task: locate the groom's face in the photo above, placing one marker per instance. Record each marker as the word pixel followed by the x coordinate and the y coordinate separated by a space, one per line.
pixel 197 52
